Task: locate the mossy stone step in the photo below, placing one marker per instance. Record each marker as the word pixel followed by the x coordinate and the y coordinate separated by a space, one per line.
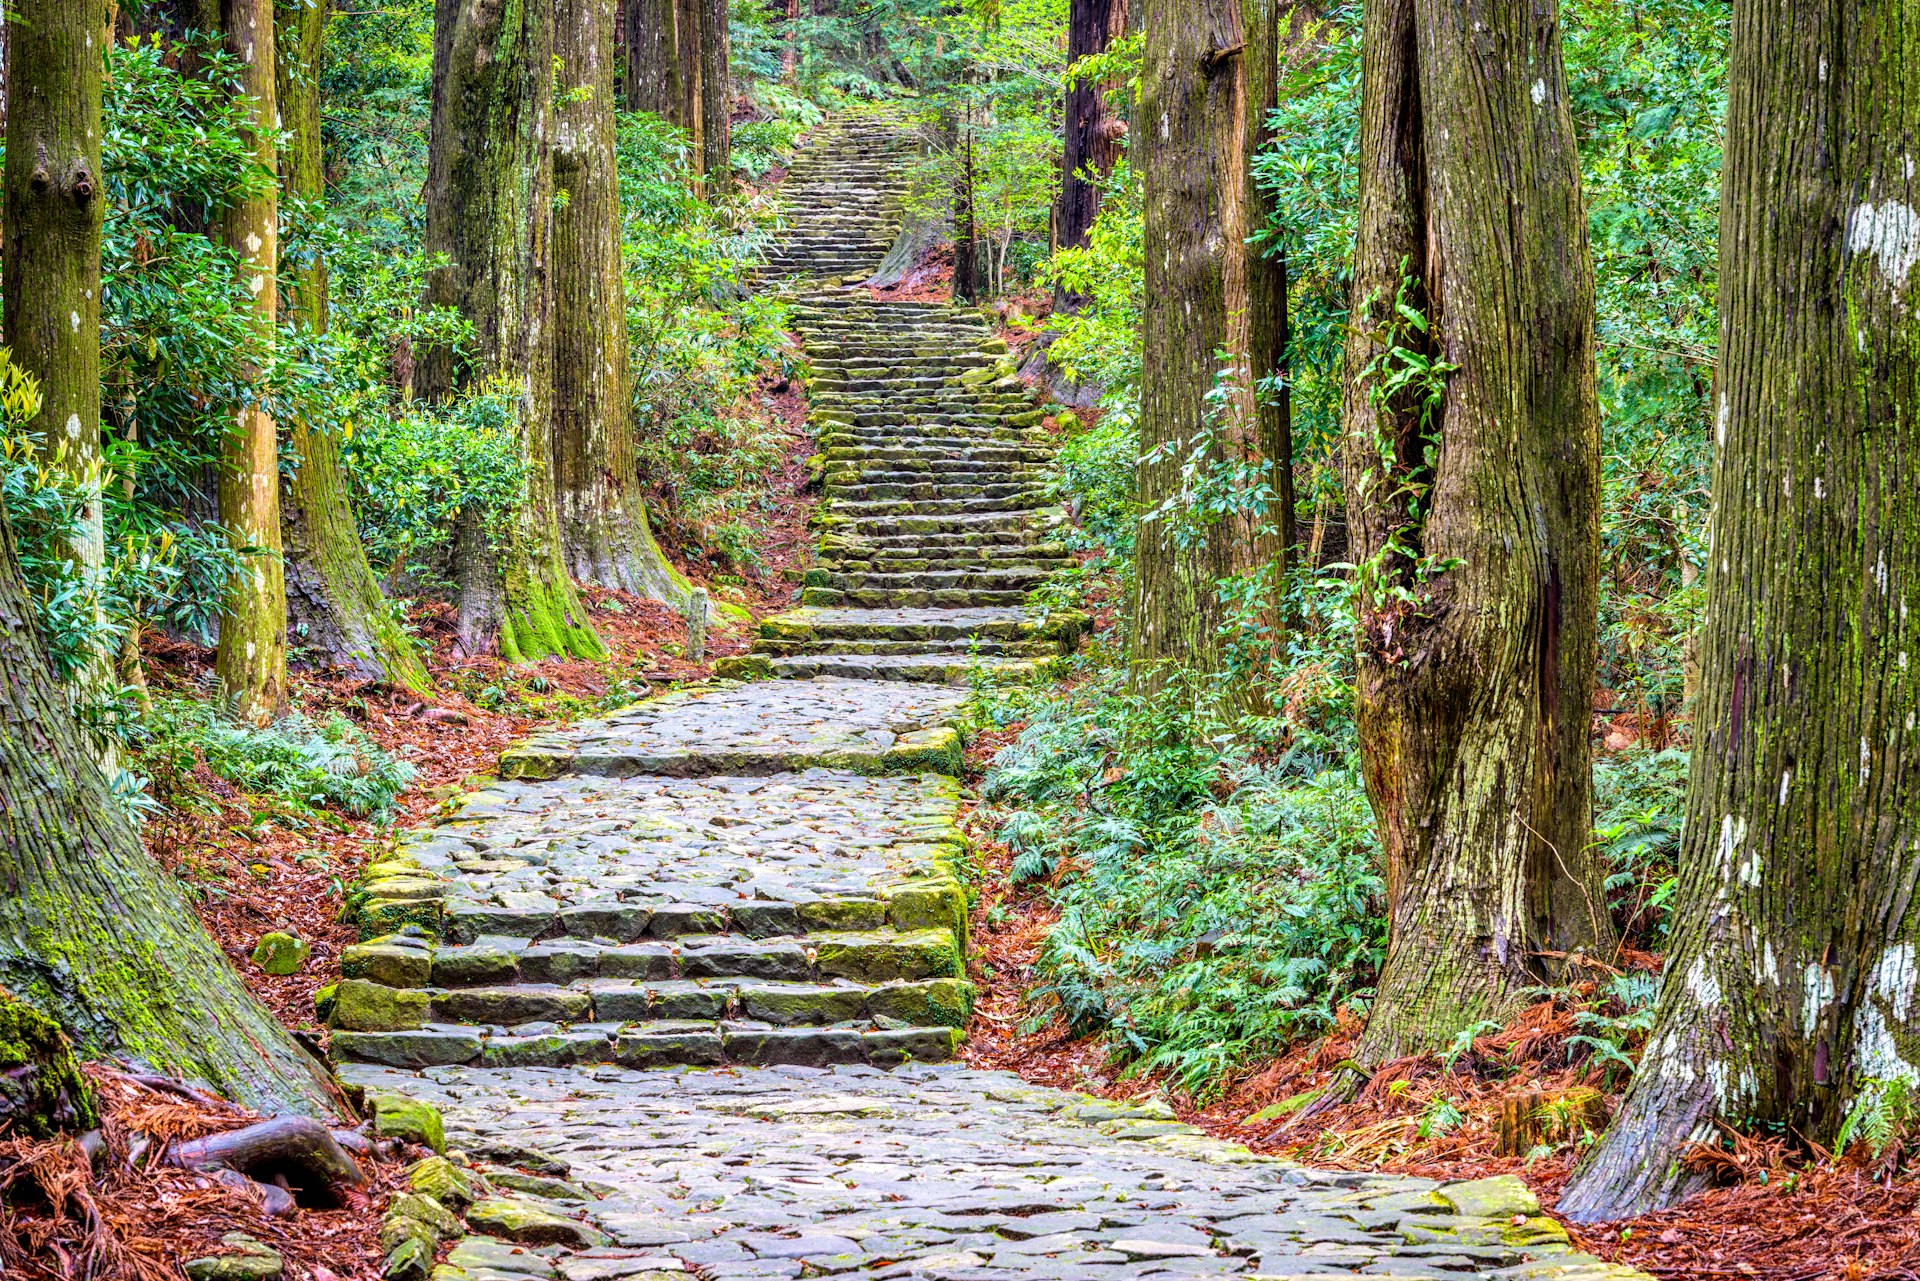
pixel 652 1044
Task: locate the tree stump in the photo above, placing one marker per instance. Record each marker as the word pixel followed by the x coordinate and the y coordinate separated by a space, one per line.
pixel 1531 1119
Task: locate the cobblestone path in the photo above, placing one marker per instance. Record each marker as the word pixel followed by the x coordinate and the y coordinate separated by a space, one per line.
pixel 683 989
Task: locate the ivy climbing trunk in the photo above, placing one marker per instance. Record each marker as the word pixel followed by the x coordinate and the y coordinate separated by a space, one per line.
pixel 653 59
pixel 602 515
pixel 716 97
pixel 1092 132
pixel 95 934
pixel 1789 995
pixel 251 658
pixel 333 599
pixel 490 211
pixel 54 212
pixel 1471 467
pixel 1215 479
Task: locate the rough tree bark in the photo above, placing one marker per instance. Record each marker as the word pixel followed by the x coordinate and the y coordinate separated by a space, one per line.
pixel 489 210
pixel 54 212
pixel 1472 500
pixel 966 232
pixel 332 594
pixel 692 116
pixel 95 934
pixel 1791 976
pixel 1092 132
pixel 1206 87
pixel 602 515
pixel 251 658
pixel 716 97
pixel 653 59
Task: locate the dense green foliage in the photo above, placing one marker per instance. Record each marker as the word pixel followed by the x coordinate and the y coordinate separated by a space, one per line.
pixel 1218 893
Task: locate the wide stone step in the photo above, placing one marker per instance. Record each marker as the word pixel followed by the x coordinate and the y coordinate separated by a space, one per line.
pixel 933 625
pixel 651 1044
pixel 959 648
pixel 1018 499
pixel 970 580
pixel 955 598
pixel 923 491
pixel 934 669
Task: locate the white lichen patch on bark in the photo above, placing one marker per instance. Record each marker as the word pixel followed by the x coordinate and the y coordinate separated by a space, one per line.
pixel 1890 234
pixel 1887 1004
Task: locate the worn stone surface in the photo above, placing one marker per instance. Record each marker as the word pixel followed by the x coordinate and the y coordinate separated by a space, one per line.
pixel 791 1171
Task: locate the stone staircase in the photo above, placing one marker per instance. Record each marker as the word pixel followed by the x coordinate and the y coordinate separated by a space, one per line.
pixel 937 522
pixel 842 198
pixel 759 874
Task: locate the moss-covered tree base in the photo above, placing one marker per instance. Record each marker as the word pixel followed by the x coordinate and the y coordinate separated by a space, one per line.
pixel 545 618
pixel 42 1091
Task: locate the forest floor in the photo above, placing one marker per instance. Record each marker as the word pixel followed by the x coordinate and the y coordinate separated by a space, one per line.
pixel 1774 1217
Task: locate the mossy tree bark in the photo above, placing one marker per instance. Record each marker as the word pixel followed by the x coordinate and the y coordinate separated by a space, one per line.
pixel 602 515
pixel 251 658
pixel 1473 502
pixel 490 211
pixel 54 213
pixel 332 595
pixel 1215 480
pixel 1791 976
pixel 653 59
pixel 687 30
pixel 716 97
pixel 1092 131
pixel 95 934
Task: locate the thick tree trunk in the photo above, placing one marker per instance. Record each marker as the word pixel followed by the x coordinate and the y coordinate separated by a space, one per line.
pixel 602 515
pixel 716 97
pixel 1472 500
pixel 251 659
pixel 1790 982
pixel 653 59
pixel 332 595
pixel 94 933
pixel 1092 132
pixel 54 211
pixel 790 46
pixel 1208 83
pixel 490 211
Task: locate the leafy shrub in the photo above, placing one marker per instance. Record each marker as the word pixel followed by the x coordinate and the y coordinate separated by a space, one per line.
pixel 293 761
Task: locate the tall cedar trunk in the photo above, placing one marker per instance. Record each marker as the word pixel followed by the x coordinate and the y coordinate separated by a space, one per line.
pixel 1790 981
pixel 1092 132
pixel 490 211
pixel 602 515
pixel 332 596
pixel 692 117
pixel 1206 87
pixel 966 235
pixel 716 97
pixel 93 932
pixel 790 44
pixel 251 659
pixel 653 59
pixel 54 215
pixel 1478 536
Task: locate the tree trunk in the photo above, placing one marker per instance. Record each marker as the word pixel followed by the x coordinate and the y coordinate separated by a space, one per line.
pixel 790 44
pixel 1092 133
pixel 966 235
pixel 1472 500
pixel 1790 981
pixel 716 97
pixel 332 596
pixel 692 114
pixel 653 59
pixel 95 934
pixel 1209 82
pixel 490 211
pixel 602 513
pixel 251 659
pixel 54 213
